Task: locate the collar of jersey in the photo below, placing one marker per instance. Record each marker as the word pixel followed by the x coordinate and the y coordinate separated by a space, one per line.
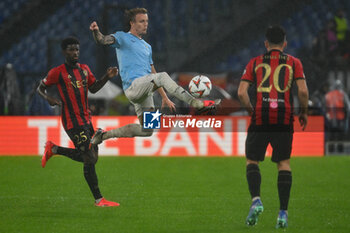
pixel 135 36
pixel 75 66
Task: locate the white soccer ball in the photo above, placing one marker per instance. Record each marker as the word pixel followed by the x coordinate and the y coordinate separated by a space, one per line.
pixel 200 86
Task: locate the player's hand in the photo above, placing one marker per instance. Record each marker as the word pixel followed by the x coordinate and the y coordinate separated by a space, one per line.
pixel 112 71
pixel 169 103
pixel 53 102
pixel 94 26
pixel 303 121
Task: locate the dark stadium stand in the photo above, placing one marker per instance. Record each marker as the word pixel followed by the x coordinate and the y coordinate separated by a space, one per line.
pixel 302 27
pixel 176 33
pixel 31 53
pixel 9 8
pixel 193 36
pixel 74 17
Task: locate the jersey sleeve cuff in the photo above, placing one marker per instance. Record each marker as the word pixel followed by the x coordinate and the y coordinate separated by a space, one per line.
pixel 246 80
pixel 44 84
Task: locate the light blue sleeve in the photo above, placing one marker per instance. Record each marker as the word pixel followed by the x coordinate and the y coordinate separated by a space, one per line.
pixel 118 39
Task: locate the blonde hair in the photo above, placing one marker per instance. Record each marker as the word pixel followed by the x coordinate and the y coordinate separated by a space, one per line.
pixel 130 14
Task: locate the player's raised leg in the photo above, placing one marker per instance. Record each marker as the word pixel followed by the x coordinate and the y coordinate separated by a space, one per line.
pixel 164 80
pixel 52 149
pixel 97 137
pixel 47 153
pixel 129 130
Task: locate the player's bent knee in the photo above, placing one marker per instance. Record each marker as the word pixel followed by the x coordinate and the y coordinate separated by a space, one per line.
pixel 90 158
pixel 95 158
pixel 90 161
pixel 284 165
pixel 160 77
pixel 163 74
pixel 249 161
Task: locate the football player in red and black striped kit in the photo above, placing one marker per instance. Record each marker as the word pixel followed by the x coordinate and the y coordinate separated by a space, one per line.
pixel 73 80
pixel 271 77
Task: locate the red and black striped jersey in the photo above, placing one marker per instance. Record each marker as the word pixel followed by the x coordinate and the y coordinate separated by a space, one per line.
pixel 72 84
pixel 273 75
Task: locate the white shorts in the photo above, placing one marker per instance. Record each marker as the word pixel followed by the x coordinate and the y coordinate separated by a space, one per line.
pixel 140 94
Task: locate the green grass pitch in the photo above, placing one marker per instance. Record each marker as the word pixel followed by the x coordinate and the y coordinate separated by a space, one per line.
pixel 165 195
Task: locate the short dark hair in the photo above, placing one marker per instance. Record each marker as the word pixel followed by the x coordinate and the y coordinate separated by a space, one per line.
pixel 67 41
pixel 275 35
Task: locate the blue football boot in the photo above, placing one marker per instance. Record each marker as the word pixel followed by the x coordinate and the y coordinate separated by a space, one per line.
pixel 255 210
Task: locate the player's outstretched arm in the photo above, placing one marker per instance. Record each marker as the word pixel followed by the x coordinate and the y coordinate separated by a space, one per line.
pixel 42 91
pixel 303 96
pixel 99 37
pixel 111 72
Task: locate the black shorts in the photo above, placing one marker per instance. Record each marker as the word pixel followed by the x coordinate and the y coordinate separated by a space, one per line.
pixel 259 137
pixel 81 136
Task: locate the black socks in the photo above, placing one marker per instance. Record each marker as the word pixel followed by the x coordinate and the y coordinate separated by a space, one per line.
pixel 284 184
pixel 91 179
pixel 254 179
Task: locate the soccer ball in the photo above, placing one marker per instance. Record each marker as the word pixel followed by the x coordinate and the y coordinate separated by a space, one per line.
pixel 200 86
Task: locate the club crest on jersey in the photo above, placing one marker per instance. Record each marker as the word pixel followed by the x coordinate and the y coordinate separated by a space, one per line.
pixel 151 120
pixel 273 104
pixel 85 72
pixel 69 76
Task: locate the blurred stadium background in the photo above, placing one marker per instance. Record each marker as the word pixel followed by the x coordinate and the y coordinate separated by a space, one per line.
pixel 188 37
pixel 212 37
